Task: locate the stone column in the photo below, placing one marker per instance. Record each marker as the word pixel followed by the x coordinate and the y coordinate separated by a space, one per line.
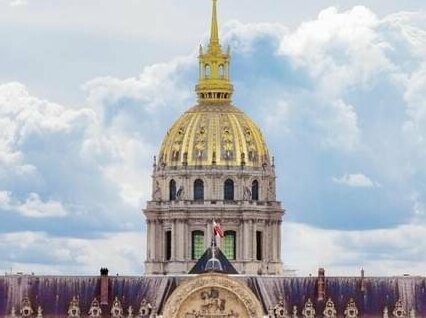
pixel 246 243
pixel 152 241
pixel 268 239
pixel 274 240
pixel 279 241
pixel 250 240
pixel 179 240
pixel 148 241
pixel 254 241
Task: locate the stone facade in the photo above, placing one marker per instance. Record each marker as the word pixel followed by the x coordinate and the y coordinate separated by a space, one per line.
pixel 243 215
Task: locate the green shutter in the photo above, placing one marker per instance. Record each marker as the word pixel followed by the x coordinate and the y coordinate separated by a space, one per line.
pixel 229 245
pixel 197 244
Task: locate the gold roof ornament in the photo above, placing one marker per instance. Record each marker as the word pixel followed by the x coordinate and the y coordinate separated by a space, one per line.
pixel 214 132
pixel 214 83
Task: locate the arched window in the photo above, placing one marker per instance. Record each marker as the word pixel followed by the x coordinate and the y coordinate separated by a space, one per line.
pixel 207 71
pixel 229 190
pixel 198 190
pixel 229 245
pixel 197 244
pixel 255 190
pixel 172 190
pixel 221 71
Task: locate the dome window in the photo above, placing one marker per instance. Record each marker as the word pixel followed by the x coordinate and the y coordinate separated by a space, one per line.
pixel 221 71
pixel 172 190
pixel 229 190
pixel 255 190
pixel 207 71
pixel 198 190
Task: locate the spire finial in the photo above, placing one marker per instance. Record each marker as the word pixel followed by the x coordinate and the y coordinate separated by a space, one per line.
pixel 214 33
pixel 214 85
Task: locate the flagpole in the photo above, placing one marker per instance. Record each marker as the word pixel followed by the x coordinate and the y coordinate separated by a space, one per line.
pixel 214 264
pixel 214 241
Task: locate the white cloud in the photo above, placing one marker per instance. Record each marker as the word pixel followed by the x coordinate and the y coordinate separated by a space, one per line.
pixel 415 125
pixel 32 207
pixel 157 87
pixel 244 37
pixel 26 252
pixel 339 49
pixel 393 251
pixel 356 180
pixel 18 3
pixel 339 125
pixel 23 117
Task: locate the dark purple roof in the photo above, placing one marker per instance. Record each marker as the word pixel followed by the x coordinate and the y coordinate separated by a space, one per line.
pixel 54 293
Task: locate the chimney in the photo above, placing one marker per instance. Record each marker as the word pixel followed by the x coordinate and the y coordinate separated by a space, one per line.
pixel 363 281
pixel 104 286
pixel 321 284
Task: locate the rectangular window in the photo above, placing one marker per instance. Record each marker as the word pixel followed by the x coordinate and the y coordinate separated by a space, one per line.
pixel 197 244
pixel 229 246
pixel 259 243
pixel 168 238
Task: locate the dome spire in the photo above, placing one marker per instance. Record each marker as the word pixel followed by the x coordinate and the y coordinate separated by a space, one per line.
pixel 214 85
pixel 214 32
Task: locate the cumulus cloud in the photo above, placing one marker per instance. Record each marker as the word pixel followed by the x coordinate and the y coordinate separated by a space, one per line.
pixel 381 252
pixel 32 207
pixel 26 252
pixel 339 49
pixel 356 180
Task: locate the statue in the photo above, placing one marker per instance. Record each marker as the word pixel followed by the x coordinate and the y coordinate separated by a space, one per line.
pixel 179 194
pixel 246 193
pixel 157 192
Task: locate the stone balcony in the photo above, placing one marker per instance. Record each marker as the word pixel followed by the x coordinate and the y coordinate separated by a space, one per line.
pixel 213 204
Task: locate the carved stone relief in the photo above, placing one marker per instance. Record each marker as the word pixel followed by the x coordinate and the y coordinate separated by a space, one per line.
pixel 399 311
pixel 309 310
pixel 116 309
pixel 74 308
pixel 329 310
pixel 26 309
pixel 351 310
pixel 212 295
pixel 227 140
pixel 200 140
pixel 95 309
pixel 145 309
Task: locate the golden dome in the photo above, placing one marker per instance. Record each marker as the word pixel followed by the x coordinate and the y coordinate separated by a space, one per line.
pixel 214 134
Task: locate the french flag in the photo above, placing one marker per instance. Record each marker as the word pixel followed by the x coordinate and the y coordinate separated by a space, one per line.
pixel 217 229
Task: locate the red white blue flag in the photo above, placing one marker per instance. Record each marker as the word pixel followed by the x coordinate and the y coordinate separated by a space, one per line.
pixel 217 229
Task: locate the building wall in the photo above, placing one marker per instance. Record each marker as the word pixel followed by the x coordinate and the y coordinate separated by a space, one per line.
pixel 242 215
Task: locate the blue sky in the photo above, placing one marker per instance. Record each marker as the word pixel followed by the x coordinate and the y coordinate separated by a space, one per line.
pixel 88 90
